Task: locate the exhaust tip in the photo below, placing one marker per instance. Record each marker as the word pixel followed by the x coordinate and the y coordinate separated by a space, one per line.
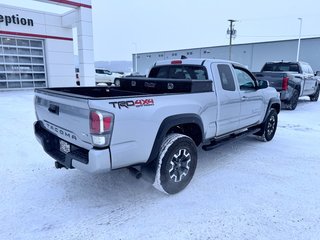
pixel 135 172
pixel 58 165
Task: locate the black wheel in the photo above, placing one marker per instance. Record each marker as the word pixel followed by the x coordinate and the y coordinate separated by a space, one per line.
pixel 315 96
pixel 269 127
pixel 293 102
pixel 176 163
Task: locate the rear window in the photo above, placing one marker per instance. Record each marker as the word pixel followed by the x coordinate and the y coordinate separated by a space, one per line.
pixel 281 67
pixel 102 71
pixel 179 72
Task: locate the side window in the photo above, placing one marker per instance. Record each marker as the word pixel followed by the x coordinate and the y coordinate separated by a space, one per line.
pixel 310 70
pixel 304 68
pixel 245 81
pixel 226 77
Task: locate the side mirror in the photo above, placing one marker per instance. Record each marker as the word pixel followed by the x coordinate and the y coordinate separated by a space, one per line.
pixel 263 84
pixel 317 73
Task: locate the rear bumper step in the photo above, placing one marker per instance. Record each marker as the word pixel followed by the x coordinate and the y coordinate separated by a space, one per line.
pixel 93 160
pixel 50 144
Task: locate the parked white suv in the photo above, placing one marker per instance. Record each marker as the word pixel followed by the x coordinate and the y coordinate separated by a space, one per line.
pixel 104 76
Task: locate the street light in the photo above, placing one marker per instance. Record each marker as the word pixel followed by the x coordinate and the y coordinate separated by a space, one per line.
pixel 299 39
pixel 232 34
pixel 136 56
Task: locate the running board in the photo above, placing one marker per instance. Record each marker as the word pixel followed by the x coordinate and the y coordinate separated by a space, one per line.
pixel 231 138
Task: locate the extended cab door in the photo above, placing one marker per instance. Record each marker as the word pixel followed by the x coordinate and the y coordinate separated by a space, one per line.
pixel 252 105
pixel 228 116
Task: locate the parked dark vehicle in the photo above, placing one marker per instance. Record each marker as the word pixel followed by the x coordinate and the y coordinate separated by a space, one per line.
pixel 292 80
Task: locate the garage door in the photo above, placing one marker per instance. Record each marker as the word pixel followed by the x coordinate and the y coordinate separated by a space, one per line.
pixel 22 63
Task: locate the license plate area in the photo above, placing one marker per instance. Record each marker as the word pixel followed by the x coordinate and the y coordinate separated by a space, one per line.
pixel 64 146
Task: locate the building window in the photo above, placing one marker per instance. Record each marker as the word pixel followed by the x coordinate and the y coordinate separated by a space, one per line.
pixel 9 41
pixel 23 43
pixel 22 63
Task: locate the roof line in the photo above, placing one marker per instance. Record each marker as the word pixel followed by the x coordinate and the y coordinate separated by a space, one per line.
pixel 35 35
pixel 240 44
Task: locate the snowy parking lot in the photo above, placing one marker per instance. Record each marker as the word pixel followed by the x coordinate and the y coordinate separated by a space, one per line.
pixel 243 190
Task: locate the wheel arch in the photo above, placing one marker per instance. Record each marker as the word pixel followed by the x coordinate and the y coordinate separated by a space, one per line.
pixel 188 124
pixel 275 104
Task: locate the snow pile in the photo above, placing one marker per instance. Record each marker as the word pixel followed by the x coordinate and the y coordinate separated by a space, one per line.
pixel 245 190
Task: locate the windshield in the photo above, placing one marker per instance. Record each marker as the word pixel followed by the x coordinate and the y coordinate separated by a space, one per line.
pixel 102 71
pixel 281 67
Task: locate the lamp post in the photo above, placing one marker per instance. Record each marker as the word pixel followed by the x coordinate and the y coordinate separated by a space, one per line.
pixel 299 39
pixel 136 56
pixel 232 34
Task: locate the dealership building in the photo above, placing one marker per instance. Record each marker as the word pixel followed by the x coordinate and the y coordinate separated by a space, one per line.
pixel 36 47
pixel 252 55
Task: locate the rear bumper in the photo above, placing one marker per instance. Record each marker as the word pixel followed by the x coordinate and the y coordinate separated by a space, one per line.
pixel 285 95
pixel 93 160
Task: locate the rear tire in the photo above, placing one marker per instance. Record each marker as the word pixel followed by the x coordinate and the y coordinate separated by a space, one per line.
pixel 315 96
pixel 269 127
pixel 177 162
pixel 293 102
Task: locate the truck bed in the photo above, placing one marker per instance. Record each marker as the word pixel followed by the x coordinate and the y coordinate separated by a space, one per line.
pixel 135 87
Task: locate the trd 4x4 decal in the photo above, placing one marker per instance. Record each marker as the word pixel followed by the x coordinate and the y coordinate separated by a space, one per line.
pixel 130 103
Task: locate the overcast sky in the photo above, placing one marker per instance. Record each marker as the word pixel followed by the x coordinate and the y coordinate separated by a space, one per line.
pixel 122 27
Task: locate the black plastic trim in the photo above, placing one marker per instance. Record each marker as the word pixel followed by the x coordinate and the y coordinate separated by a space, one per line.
pixel 271 102
pixel 167 124
pixel 50 144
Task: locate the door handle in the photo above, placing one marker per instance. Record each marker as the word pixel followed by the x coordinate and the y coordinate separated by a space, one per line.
pixel 54 109
pixel 244 98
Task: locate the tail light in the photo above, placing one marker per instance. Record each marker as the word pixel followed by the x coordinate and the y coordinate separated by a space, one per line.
pixel 285 83
pixel 101 124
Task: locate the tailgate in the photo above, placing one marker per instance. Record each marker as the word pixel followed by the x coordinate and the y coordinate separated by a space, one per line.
pixel 66 117
pixel 275 79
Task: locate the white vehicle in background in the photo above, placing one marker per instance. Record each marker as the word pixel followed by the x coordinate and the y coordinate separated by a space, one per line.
pixel 104 76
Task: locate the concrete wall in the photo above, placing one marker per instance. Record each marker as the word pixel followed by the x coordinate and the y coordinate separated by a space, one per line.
pixel 252 55
pixel 57 40
pixel 56 31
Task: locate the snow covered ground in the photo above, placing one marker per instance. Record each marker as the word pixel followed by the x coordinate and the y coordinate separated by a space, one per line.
pixel 244 190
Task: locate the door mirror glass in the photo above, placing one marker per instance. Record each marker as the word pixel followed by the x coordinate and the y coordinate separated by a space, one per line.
pixel 263 84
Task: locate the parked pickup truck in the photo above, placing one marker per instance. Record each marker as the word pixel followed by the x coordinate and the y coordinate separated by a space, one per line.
pixel 155 123
pixel 292 80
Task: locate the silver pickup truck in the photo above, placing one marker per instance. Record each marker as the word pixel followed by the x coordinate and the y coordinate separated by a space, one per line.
pixel 292 80
pixel 155 123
